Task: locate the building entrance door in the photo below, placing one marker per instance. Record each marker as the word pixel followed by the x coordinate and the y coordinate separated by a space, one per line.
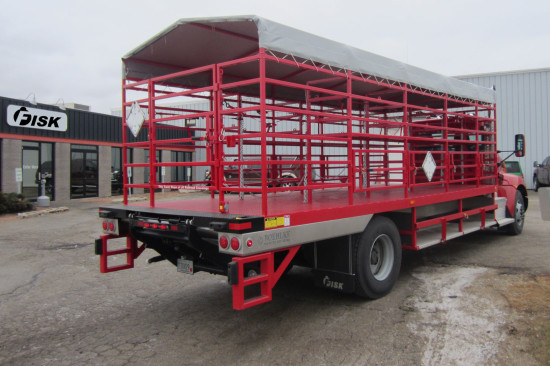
pixel 37 162
pixel 84 173
pixel 31 163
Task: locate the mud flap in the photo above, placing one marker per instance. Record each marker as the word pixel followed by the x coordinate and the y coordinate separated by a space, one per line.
pixel 337 281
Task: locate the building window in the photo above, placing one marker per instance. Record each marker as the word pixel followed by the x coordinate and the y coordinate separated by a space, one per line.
pixel 84 172
pixel 38 165
pixel 181 173
pixel 116 170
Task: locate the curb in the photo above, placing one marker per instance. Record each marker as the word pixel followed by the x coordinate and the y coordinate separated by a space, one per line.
pixel 130 199
pixel 25 215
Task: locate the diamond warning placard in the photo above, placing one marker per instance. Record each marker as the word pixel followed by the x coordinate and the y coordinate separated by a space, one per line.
pixel 135 119
pixel 429 166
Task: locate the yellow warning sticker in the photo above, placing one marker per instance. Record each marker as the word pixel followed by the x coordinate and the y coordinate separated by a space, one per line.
pixel 271 222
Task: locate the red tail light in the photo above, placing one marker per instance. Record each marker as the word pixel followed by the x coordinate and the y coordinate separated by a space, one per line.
pixel 235 243
pixel 224 242
pixel 110 226
pixel 249 243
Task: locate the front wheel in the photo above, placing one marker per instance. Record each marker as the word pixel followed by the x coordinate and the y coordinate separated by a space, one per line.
pixel 377 258
pixel 536 184
pixel 516 227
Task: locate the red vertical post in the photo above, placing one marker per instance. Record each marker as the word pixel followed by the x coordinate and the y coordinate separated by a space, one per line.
pixel 351 160
pixel 301 133
pixel 447 169
pixel 218 133
pixel 124 148
pixel 210 134
pixel 494 138
pixel 478 161
pixel 309 171
pixel 405 155
pixel 263 129
pixel 240 147
pixel 322 153
pixel 413 228
pixel 366 146
pixel 152 143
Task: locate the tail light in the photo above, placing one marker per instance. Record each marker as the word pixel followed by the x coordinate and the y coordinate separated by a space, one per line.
pixel 224 242
pixel 156 224
pixel 110 226
pixel 235 243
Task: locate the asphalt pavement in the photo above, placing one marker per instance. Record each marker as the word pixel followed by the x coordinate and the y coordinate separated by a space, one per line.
pixel 479 300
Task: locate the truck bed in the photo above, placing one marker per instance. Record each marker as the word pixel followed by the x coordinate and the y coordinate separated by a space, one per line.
pixel 330 204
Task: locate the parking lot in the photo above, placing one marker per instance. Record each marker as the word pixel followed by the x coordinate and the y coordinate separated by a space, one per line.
pixel 482 299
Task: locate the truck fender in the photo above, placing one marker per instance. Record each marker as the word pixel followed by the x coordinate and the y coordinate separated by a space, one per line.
pixel 510 184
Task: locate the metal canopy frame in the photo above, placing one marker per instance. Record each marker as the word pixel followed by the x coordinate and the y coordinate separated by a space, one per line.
pixel 194 42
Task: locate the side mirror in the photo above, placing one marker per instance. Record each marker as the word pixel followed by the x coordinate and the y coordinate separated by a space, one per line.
pixel 520 146
pixel 535 164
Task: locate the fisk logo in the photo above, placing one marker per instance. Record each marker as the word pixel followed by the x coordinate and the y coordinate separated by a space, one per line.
pixel 41 119
pixel 327 282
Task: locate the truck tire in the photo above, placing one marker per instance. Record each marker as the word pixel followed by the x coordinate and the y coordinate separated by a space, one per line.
pixel 519 214
pixel 287 184
pixel 377 258
pixel 536 184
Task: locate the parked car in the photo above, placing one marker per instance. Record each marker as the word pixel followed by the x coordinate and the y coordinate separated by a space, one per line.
pixel 541 176
pixel 288 175
pixel 514 167
pixel 116 181
pixel 252 174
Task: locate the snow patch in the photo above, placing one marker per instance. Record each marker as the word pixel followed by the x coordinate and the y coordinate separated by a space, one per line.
pixel 460 328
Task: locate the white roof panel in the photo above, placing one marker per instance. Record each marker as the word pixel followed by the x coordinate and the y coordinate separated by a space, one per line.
pixel 197 42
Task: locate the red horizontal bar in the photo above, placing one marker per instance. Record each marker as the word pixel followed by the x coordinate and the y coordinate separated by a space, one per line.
pixel 119 251
pixel 196 70
pixel 117 268
pixel 256 279
pixel 456 216
pixel 255 301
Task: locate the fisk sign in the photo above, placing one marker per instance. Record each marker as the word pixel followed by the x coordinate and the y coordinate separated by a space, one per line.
pixel 41 119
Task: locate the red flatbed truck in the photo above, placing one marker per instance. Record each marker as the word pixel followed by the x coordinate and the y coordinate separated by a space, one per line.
pixel 385 157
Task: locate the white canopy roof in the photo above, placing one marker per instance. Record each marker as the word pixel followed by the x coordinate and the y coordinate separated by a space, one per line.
pixel 195 42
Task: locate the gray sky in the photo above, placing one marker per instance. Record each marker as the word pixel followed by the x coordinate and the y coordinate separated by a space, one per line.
pixel 72 49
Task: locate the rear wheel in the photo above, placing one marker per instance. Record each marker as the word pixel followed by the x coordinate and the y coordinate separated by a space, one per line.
pixel 516 227
pixel 536 184
pixel 286 183
pixel 377 258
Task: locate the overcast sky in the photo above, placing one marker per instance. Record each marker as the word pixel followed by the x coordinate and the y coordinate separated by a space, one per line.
pixel 72 49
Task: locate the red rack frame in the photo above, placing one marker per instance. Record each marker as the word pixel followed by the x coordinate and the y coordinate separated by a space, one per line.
pixel 344 130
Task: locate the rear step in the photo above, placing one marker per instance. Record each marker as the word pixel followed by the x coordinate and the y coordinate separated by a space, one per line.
pixel 132 251
pixel 267 278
